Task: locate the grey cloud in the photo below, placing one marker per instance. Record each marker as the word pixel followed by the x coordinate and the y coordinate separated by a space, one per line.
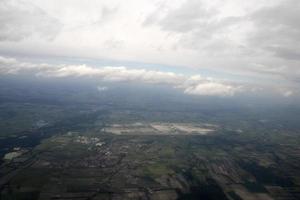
pixel 276 38
pixel 262 43
pixel 19 20
pixel 269 35
pixel 198 26
pixel 277 29
pixel 188 17
pixel 191 16
pixel 105 16
pixel 108 12
pixel 290 54
pixel 196 85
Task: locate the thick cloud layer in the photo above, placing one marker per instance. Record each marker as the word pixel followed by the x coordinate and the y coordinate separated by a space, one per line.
pixel 256 40
pixel 19 20
pixel 189 84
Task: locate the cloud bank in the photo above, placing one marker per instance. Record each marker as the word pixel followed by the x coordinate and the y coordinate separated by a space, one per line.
pixel 212 89
pixel 195 85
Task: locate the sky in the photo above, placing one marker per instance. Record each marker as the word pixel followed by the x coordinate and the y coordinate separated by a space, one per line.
pixel 203 47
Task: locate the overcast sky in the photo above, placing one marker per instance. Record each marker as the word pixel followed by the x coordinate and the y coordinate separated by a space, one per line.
pixel 233 40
